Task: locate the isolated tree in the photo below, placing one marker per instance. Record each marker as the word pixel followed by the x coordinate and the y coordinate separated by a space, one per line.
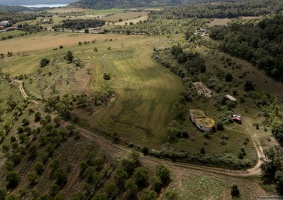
pixel 202 150
pixel 69 56
pixel 235 191
pixel 219 126
pixel 249 86
pixel 10 54
pixel 228 77
pixel 44 62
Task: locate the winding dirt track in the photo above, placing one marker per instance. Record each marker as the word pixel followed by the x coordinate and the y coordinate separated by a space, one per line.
pixel 181 170
pixel 23 92
pixel 232 173
pixel 124 151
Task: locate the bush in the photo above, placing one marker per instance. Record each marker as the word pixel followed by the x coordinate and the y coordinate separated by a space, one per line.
pixel 148 195
pixel 61 178
pixel 141 176
pixel 235 191
pixel 164 173
pixel 219 126
pixel 12 179
pixel 3 194
pixel 44 62
pixel 107 76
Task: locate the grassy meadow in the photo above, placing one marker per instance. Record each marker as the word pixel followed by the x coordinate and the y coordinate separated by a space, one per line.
pixel 145 92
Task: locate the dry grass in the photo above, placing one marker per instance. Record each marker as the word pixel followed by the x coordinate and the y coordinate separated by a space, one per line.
pixel 218 21
pixel 36 43
pixel 66 10
pixel 192 184
pixel 126 16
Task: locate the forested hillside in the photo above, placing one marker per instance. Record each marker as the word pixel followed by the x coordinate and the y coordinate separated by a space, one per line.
pixel 260 44
pixel 106 4
pixel 225 9
pixel 4 8
pixel 101 4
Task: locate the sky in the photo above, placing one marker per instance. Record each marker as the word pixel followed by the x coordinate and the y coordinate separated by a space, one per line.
pixel 32 2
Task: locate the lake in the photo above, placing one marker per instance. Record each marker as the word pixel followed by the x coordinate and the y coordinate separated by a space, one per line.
pixel 45 5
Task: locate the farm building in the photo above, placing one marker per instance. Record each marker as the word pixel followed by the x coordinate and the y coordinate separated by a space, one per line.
pixel 201 120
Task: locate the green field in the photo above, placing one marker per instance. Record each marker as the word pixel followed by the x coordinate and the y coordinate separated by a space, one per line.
pixel 145 92
pixel 11 33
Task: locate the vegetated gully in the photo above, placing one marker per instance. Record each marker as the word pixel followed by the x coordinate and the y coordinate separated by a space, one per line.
pixel 232 173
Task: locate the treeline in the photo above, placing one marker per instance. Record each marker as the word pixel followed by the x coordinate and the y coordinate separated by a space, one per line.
pixel 4 8
pixel 79 24
pixel 102 4
pixel 273 168
pixel 13 18
pixel 227 9
pixel 260 44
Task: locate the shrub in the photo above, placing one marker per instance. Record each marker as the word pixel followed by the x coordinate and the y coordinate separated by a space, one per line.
pixel 107 76
pixel 44 62
pixel 163 172
pixel 12 179
pixel 235 191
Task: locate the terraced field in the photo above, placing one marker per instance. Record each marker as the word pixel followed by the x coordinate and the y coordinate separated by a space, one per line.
pixel 145 91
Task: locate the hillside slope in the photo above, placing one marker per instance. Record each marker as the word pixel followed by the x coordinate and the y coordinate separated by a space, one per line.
pixel 106 4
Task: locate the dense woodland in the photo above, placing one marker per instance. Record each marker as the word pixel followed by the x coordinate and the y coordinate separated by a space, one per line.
pixel 260 43
pixel 16 17
pixel 105 4
pixel 230 9
pixel 80 24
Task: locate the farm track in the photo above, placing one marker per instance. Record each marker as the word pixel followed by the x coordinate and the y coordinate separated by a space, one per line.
pixel 22 90
pixel 232 173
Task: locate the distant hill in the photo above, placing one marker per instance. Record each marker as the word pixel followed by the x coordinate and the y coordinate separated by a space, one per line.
pixel 4 8
pixel 31 2
pixel 106 4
